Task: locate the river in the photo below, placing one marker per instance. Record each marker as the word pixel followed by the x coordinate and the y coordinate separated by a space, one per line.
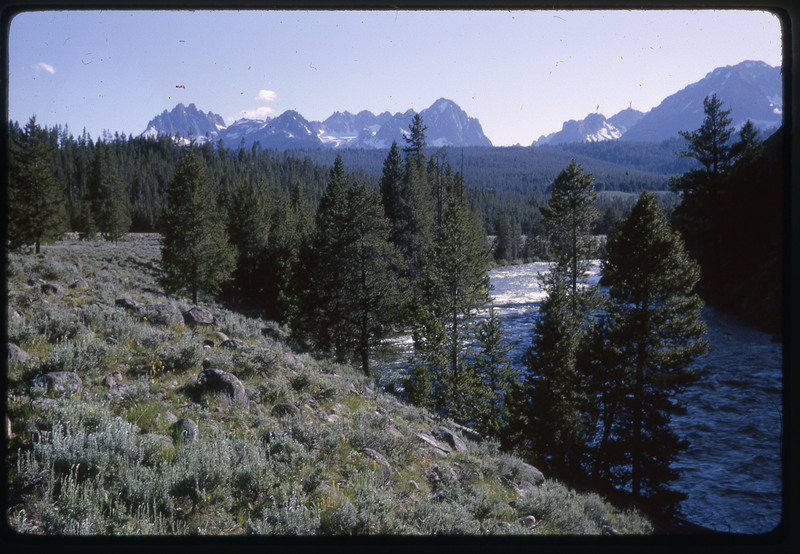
pixel 732 468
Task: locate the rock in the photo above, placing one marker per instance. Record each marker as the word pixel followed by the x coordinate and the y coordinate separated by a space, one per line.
pixel 127 303
pixel 285 409
pixel 235 344
pixel 206 363
pixel 428 438
pixel 208 343
pixel 527 521
pixel 471 434
pixel 162 314
pixel 217 337
pixel 155 440
pixel 79 284
pixel 51 288
pixel 59 381
pixel 392 430
pixel 222 381
pixel 413 484
pixel 451 438
pixel 16 355
pixel 109 381
pixel 172 419
pixel 524 487
pixel 186 429
pixel 382 461
pixel 530 473
pixel 198 316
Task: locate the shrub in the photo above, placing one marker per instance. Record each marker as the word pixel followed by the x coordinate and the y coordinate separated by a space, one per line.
pixel 293 516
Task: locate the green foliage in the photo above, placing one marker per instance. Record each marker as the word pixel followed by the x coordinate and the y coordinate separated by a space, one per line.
pixel 35 199
pixel 107 197
pixel 653 331
pixel 196 255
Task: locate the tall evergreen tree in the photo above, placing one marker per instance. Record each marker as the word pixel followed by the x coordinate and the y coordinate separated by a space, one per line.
pixel 348 302
pixel 196 254
pixel 654 332
pixel 249 220
pixel 568 218
pixel 36 209
pixel 557 392
pixel 415 141
pixel 108 196
pixel 496 377
pixel 455 287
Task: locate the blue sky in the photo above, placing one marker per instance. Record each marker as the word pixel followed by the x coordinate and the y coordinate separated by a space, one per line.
pixel 521 73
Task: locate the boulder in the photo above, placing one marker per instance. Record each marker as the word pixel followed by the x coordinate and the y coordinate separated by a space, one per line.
pixel 531 474
pixel 437 446
pixel 162 314
pixel 235 344
pixel 16 355
pixel 381 461
pixel 185 429
pixel 284 409
pixel 79 284
pixel 198 316
pixel 450 438
pixel 52 288
pixel 59 381
pixel 222 381
pixel 127 304
pixel 527 521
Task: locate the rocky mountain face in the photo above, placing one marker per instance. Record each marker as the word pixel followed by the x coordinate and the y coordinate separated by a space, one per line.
pixel 593 128
pixel 751 90
pixel 185 121
pixel 447 125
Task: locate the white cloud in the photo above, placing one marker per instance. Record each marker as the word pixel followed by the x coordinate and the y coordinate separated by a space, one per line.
pixel 47 67
pixel 258 113
pixel 266 95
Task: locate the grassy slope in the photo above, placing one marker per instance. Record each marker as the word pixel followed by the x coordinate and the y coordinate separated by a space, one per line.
pixel 92 462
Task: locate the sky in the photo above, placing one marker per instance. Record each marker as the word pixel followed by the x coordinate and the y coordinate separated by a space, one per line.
pixel 520 73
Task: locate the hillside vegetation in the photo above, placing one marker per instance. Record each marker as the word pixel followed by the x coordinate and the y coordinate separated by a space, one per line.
pixel 133 413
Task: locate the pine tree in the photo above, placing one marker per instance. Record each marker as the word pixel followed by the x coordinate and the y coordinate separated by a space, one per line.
pixel 349 297
pixel 455 288
pixel 36 210
pixel 196 254
pixel 557 392
pixel 249 221
pixel 568 218
pixel 415 141
pixel 496 377
pixel 654 332
pixel 108 196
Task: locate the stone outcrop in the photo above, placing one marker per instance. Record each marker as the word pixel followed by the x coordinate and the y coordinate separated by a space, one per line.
pixel 198 316
pixel 222 381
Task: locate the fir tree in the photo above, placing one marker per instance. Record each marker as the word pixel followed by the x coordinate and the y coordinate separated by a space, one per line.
pixel 455 287
pixel 415 141
pixel 568 218
pixel 495 375
pixel 36 210
pixel 249 221
pixel 654 332
pixel 196 254
pixel 108 196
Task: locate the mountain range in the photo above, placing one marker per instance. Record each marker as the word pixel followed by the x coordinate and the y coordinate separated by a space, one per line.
pixel 447 125
pixel 752 90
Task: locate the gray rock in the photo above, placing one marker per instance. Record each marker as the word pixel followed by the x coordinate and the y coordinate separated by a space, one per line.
pixel 198 316
pixel 185 429
pixel 162 314
pixel 428 438
pixel 235 344
pixel 51 288
pixel 530 473
pixel 79 284
pixel 381 461
pixel 284 409
pixel 222 381
pixel 527 521
pixel 127 303
pixel 451 438
pixel 59 381
pixel 16 355
pixel 154 439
